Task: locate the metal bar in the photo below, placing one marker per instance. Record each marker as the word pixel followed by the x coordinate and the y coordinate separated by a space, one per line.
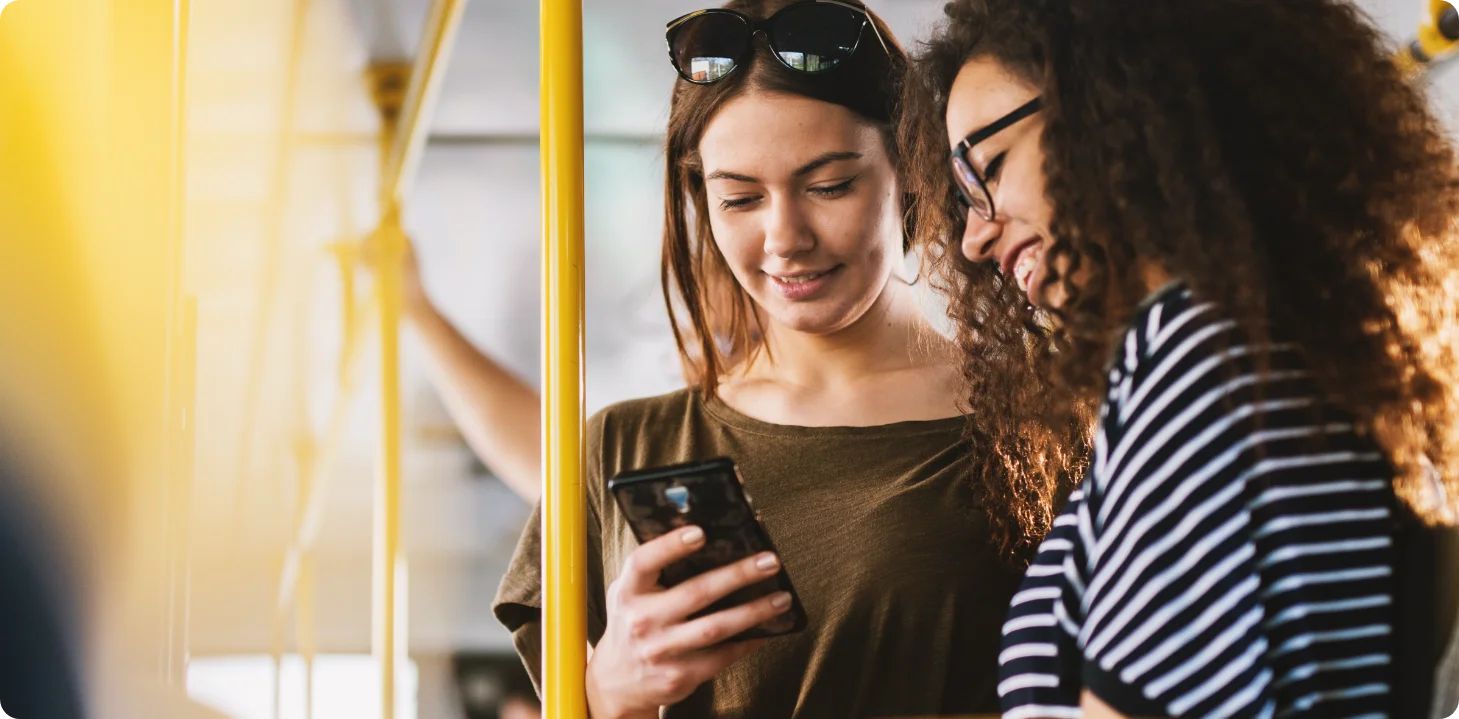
pixel 183 389
pixel 304 624
pixel 386 553
pixel 326 452
pixel 478 139
pixel 276 657
pixel 272 259
pixel 408 140
pixel 1437 40
pixel 388 250
pixel 139 89
pixel 564 518
pixel 182 370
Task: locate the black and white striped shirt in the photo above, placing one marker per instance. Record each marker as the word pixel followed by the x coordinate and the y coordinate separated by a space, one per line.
pixel 1230 553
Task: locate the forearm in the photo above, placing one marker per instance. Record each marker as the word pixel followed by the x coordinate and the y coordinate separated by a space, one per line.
pixel 498 414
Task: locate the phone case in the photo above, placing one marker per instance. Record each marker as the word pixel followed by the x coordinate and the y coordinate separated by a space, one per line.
pixel 710 495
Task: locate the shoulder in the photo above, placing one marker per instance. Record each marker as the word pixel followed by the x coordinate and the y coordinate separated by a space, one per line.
pixel 656 411
pixel 1167 322
pixel 643 432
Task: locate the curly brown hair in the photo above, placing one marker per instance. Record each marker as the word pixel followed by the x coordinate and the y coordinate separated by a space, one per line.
pixel 1269 154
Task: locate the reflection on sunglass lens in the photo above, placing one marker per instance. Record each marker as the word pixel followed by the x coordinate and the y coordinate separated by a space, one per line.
pixel 706 48
pixel 812 37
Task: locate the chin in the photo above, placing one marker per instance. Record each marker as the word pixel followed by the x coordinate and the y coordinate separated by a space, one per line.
pixel 813 322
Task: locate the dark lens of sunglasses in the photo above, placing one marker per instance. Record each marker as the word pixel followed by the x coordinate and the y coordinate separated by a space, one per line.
pixel 812 37
pixel 707 47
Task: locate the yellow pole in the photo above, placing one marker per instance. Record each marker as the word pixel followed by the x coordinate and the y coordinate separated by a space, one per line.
pixel 182 379
pixel 403 156
pixel 136 262
pixel 387 557
pixel 183 398
pixel 1437 40
pixel 389 242
pixel 564 521
pixel 272 259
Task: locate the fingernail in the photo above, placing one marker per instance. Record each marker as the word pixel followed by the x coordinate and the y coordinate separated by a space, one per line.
pixel 692 535
pixel 780 600
pixel 767 562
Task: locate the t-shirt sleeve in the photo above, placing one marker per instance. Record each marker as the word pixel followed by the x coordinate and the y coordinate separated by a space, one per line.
pixel 518 603
pixel 1039 662
pixel 1171 602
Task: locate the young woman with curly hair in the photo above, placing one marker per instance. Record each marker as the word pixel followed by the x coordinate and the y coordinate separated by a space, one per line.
pixel 1236 218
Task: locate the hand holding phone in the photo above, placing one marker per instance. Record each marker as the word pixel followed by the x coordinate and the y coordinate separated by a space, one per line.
pixel 710 495
pixel 658 646
pixel 690 600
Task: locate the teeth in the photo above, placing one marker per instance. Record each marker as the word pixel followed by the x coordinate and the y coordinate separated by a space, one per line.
pixel 1023 269
pixel 801 279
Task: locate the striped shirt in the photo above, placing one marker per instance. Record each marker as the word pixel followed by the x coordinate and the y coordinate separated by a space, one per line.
pixel 1230 553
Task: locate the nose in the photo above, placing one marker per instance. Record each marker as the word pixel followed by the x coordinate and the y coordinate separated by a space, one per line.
pixel 787 229
pixel 980 237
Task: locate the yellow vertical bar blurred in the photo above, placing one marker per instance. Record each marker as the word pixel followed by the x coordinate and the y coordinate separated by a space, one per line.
pixel 183 388
pixel 390 82
pixel 95 335
pixel 390 247
pixel 564 520
pixel 137 266
pixel 182 374
pixel 1436 41
pixel 387 484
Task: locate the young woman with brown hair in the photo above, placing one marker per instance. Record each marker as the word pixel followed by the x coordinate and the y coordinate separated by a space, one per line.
pixel 843 414
pixel 1238 219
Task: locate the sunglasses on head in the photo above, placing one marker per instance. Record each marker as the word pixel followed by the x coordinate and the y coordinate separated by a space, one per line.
pixel 811 36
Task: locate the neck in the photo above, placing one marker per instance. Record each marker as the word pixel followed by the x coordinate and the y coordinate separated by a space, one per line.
pixel 891 335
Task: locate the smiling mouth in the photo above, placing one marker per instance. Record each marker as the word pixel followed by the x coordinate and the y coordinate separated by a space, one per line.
pixel 1025 263
pixel 802 279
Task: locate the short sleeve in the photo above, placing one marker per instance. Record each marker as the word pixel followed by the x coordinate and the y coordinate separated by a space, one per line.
pixel 1172 617
pixel 518 603
pixel 1232 555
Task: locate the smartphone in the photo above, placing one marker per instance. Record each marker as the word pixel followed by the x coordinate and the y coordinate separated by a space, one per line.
pixel 711 496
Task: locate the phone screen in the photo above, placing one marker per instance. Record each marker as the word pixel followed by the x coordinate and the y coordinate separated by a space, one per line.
pixel 710 496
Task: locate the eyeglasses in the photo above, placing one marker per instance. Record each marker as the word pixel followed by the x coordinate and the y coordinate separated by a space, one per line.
pixel 972 188
pixel 813 36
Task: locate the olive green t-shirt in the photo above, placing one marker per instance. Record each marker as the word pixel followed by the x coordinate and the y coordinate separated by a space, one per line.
pixel 904 592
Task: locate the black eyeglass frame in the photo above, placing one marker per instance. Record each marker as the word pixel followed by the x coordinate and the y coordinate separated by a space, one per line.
pixel 762 27
pixel 961 161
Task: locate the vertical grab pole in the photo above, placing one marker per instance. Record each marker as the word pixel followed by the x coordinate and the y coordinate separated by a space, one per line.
pixel 1437 39
pixel 564 519
pixel 390 82
pixel 387 485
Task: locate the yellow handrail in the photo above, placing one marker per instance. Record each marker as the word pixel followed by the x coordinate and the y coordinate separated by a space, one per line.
pixel 564 523
pixel 389 248
pixel 1437 39
pixel 272 261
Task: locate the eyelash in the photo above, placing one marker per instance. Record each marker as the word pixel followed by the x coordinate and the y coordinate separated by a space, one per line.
pixel 837 190
pixel 832 192
pixel 990 172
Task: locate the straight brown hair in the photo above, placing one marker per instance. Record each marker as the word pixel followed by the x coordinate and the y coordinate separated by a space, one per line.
pixel 714 323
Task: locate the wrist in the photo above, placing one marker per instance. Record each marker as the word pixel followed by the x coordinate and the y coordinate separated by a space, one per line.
pixel 601 706
pixel 417 308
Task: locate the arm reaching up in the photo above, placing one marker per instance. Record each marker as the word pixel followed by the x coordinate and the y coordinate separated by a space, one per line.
pixel 497 413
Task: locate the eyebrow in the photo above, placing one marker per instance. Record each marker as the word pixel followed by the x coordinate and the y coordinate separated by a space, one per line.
pixel 802 171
